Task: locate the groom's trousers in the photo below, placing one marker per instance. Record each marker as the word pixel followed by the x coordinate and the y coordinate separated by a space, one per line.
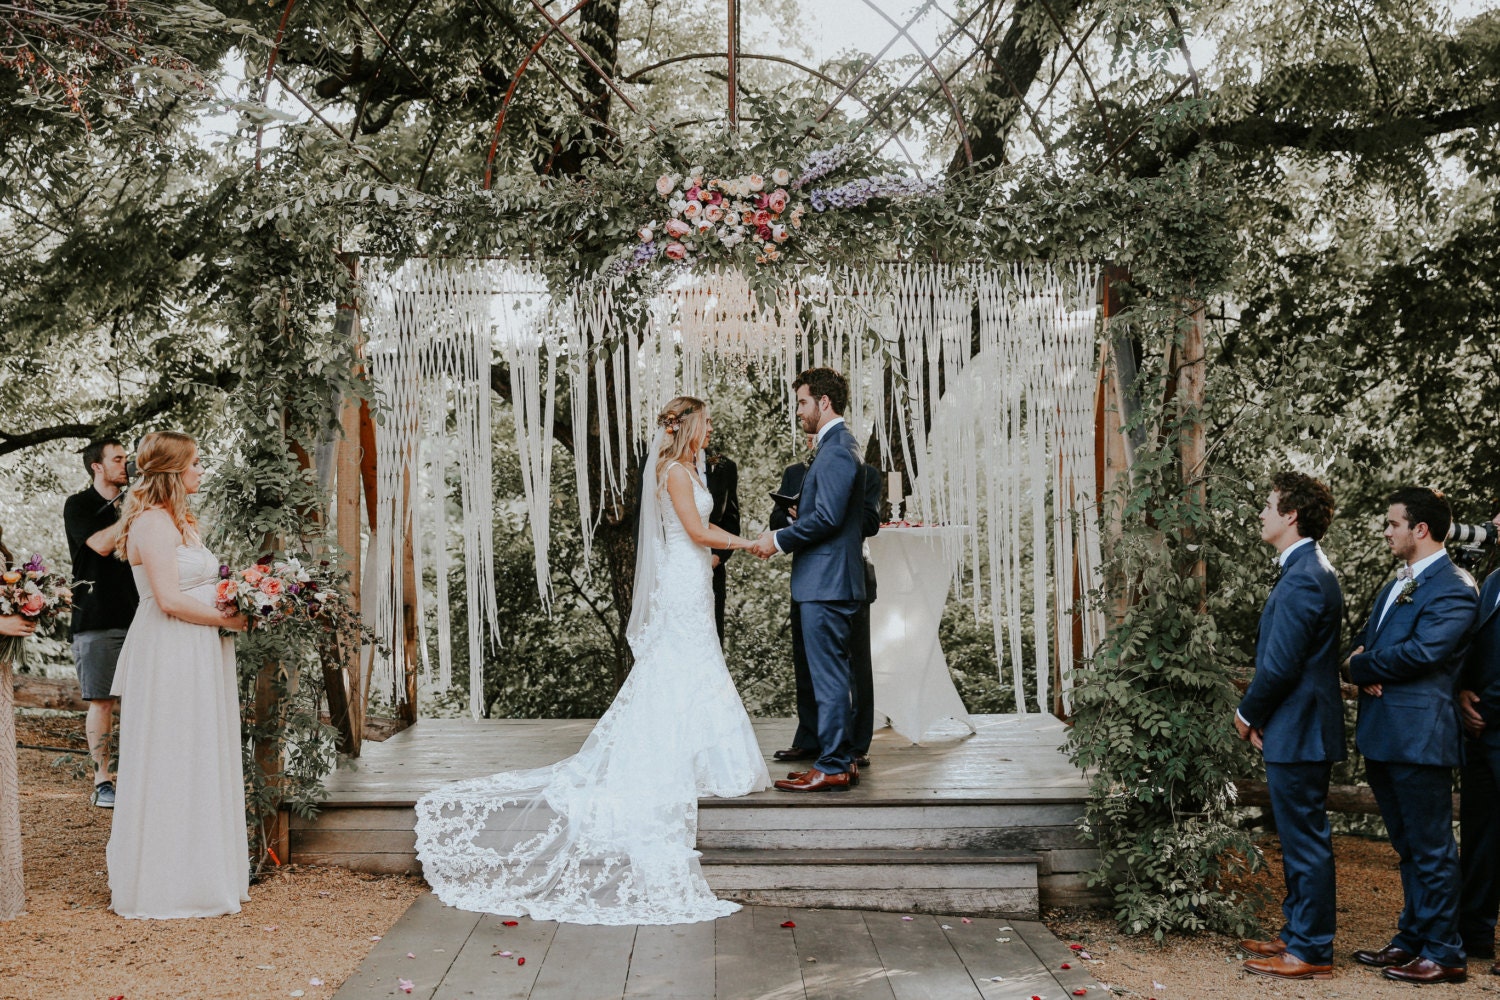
pixel 827 638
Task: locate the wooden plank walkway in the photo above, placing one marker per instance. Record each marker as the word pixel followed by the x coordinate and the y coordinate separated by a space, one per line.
pixel 448 954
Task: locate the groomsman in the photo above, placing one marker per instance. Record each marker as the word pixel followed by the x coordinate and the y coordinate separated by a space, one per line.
pixel 1407 666
pixel 1479 708
pixel 1294 713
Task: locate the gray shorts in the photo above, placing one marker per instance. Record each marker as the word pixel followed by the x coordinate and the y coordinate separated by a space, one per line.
pixel 95 654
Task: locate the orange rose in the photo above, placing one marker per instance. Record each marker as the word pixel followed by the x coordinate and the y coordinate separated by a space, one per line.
pixel 224 592
pixel 252 575
pixel 12 576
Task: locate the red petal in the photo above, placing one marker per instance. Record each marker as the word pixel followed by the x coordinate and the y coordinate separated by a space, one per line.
pixel 520 961
pixel 1065 965
pixel 1080 992
pixel 788 923
pixel 511 923
pixel 1076 947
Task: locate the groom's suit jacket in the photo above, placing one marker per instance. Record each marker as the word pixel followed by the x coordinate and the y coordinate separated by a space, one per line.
pixel 826 539
pixel 1295 698
pixel 1414 653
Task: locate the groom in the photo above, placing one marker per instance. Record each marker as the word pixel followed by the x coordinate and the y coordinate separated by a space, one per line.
pixel 828 572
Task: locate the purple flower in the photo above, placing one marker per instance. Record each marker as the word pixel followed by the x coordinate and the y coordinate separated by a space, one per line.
pixel 821 163
pixel 224 571
pixel 36 565
pixel 852 194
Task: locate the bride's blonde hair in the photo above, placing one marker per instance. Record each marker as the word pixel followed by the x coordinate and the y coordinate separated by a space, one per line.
pixel 683 419
pixel 161 460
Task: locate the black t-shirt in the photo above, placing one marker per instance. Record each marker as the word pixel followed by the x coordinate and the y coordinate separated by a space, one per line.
pixel 111 599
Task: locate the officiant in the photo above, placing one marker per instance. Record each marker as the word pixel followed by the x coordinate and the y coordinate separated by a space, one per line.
pixel 722 478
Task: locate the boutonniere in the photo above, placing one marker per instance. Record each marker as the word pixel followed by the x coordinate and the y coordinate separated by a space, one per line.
pixel 1407 589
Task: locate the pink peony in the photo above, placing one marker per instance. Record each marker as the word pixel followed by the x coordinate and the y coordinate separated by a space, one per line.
pixel 252 575
pixel 715 198
pixel 703 225
pixel 748 218
pixel 762 218
pixel 676 251
pixel 764 232
pixel 713 213
pixel 694 193
pixel 755 182
pixel 270 586
pixel 33 605
pixel 665 183
pixel 224 592
pixel 776 201
pixel 677 228
pixel 692 208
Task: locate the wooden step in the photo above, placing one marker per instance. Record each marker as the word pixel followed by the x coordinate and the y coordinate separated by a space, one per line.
pixel 985 883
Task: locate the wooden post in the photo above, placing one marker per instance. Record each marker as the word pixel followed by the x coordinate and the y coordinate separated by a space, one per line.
pixel 341 673
pixel 360 679
pixel 1190 367
pixel 410 626
pixel 1113 454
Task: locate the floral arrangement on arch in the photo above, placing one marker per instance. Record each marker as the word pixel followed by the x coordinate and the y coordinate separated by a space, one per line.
pixel 711 216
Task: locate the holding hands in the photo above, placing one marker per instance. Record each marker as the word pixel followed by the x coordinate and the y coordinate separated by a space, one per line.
pixel 764 546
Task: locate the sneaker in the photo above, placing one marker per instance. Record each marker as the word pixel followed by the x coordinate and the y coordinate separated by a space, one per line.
pixel 104 795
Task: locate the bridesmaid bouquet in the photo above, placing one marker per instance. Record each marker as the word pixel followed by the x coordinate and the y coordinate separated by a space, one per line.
pixel 271 593
pixel 34 592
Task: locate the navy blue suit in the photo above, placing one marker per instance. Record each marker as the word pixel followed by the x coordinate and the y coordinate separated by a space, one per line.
pixel 1295 701
pixel 861 681
pixel 1410 739
pixel 1479 852
pixel 828 583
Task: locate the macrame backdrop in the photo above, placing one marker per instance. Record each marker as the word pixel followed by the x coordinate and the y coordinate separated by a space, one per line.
pixel 999 438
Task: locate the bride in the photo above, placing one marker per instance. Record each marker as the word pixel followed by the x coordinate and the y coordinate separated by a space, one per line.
pixel 607 836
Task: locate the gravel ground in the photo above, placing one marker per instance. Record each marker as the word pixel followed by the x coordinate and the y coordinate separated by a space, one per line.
pixel 1185 968
pixel 302 926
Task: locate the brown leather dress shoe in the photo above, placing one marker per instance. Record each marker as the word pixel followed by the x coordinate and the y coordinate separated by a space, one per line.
pixel 1389 955
pixel 800 775
pixel 1265 949
pixel 815 781
pixel 1422 970
pixel 795 753
pixel 1287 966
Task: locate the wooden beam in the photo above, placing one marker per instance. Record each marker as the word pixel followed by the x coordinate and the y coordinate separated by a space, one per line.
pixel 410 625
pixel 1113 453
pixel 341 674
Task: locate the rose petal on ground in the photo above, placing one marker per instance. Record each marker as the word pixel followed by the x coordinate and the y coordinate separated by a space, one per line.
pixel 270 928
pixel 1065 965
pixel 297 993
pixel 966 920
pixel 789 923
pixel 520 961
pixel 906 918
pixel 1157 986
pixel 503 954
pixel 1086 956
pixel 406 985
pixel 410 955
pixel 315 981
pixel 374 937
pixel 510 923
pixel 1076 947
pixel 1081 992
pixel 1003 940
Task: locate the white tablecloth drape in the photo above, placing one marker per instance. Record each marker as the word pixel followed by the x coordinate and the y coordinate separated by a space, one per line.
pixel 913 689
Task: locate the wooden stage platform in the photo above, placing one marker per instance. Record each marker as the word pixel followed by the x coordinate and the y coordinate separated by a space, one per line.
pixel 980 824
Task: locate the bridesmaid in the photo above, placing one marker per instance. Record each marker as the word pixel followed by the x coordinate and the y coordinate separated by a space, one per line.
pixel 178 847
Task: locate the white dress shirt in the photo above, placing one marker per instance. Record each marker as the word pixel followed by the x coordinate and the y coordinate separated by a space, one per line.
pixel 1417 569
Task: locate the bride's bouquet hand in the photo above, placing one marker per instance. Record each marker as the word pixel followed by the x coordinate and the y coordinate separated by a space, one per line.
pixel 234 621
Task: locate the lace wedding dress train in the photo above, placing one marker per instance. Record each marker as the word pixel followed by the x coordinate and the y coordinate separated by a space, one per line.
pixel 607 836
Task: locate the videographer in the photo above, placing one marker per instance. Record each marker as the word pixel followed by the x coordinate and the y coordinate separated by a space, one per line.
pixel 1479 807
pixel 104 601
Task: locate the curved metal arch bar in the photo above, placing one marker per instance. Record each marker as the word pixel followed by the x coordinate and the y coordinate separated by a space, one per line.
pixel 810 71
pixel 265 89
pixel 864 70
pixel 1075 56
pixel 385 54
pixel 510 92
pixel 958 114
pixel 979 46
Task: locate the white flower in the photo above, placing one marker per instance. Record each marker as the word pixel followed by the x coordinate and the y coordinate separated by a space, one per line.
pixel 730 237
pixel 665 183
pixel 781 176
pixel 704 224
pixel 677 205
pixel 646 233
pixel 756 182
pixel 692 208
pixel 695 174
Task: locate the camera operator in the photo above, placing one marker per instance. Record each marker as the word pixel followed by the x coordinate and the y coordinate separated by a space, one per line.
pixel 105 599
pixel 1479 708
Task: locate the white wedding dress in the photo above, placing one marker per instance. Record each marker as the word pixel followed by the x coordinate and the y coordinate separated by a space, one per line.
pixel 607 836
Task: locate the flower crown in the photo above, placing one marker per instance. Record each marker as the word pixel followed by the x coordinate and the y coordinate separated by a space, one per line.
pixel 669 422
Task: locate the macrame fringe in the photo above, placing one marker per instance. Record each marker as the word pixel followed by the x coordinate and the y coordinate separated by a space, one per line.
pixel 985 372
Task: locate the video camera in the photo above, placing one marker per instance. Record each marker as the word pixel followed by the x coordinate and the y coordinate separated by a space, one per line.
pixel 1472 541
